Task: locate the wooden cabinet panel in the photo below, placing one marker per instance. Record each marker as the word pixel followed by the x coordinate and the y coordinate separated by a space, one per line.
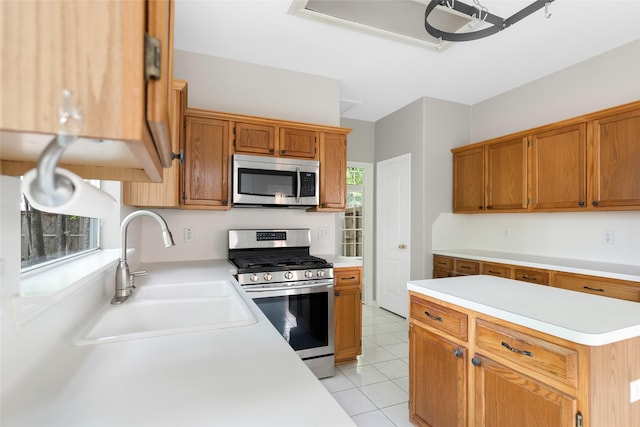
pixel 467 267
pixel 441 318
pixel 498 270
pixel 468 180
pixel 206 181
pixel 298 143
pixel 254 138
pixel 558 168
pixel 166 194
pixel 615 156
pixel 438 380
pixel 539 277
pixel 347 314
pixel 443 263
pixel 543 357
pixel 598 286
pixel 506 175
pixel 333 172
pixel 95 50
pixel 505 398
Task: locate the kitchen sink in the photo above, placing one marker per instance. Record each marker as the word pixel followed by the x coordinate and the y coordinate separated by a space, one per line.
pixel 221 288
pixel 169 309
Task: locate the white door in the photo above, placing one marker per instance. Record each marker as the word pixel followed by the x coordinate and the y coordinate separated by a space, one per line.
pixel 393 229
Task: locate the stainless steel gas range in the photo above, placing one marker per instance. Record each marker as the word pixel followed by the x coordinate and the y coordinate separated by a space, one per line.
pixel 292 288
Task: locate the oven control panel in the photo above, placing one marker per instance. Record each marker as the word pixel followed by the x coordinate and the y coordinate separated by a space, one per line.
pixel 262 236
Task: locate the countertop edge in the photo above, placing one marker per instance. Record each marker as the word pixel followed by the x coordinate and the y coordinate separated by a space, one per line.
pixel 589 339
pixel 547 263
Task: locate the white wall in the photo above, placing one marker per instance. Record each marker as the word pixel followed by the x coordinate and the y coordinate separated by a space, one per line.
pixel 210 239
pixel 601 82
pixel 239 87
pixel 607 80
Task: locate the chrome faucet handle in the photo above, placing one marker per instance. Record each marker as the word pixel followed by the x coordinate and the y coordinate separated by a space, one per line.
pixel 139 273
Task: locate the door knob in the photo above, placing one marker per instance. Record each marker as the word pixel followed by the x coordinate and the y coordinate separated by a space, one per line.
pixel 402 246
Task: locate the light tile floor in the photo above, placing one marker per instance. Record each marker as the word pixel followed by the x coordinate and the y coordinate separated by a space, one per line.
pixel 374 391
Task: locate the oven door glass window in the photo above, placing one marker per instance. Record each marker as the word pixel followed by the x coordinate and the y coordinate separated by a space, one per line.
pixel 300 319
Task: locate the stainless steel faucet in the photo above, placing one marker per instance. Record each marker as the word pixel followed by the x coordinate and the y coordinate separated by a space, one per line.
pixel 124 278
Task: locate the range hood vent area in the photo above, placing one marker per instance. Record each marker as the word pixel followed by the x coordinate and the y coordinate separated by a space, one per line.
pixel 401 20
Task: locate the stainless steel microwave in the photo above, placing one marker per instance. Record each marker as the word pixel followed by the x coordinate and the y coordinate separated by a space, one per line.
pixel 275 181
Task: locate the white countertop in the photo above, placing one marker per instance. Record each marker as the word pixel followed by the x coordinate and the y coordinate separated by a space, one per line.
pixel 593 268
pixel 339 261
pixel 245 376
pixel 578 317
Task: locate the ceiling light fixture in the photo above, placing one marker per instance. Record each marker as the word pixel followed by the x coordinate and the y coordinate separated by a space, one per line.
pixel 479 14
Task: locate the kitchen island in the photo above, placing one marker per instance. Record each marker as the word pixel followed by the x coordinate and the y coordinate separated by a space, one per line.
pixel 494 352
pixel 240 376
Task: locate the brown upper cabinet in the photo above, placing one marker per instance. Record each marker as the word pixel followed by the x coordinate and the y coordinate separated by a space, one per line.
pixel 506 175
pixel 275 140
pixel 558 168
pixel 468 180
pixel 614 152
pixel 333 172
pixel 97 51
pixel 582 164
pixel 166 194
pixel 207 161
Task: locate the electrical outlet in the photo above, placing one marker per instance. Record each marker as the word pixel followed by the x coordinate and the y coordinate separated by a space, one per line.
pixel 634 391
pixel 608 237
pixel 187 234
pixel 323 234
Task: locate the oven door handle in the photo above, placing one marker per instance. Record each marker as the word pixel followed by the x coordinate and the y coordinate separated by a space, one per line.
pixel 291 288
pixel 298 185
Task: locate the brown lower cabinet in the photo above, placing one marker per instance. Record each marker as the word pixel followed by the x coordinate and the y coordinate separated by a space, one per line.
pixel 347 313
pixel 471 369
pixel 443 266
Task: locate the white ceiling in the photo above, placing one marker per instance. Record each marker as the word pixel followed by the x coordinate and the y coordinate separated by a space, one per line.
pixel 382 74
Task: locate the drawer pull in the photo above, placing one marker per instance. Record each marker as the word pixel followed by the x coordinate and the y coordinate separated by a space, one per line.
pixel 348 278
pixel 593 289
pixel 466 267
pixel 494 272
pixel 442 263
pixel 533 279
pixel 431 316
pixel 515 350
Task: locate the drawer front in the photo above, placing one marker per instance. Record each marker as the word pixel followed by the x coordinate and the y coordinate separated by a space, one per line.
pixel 442 318
pixel 597 286
pixel 536 354
pixel 498 270
pixel 443 263
pixel 532 276
pixel 347 276
pixel 464 266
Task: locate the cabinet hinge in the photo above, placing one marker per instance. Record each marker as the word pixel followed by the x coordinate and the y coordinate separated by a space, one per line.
pixel 184 196
pixel 152 57
pixel 579 419
pixel 528 141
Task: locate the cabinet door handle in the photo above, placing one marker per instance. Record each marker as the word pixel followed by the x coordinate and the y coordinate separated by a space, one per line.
pixel 595 203
pixel 457 352
pixel 489 207
pixel 475 361
pixel 337 294
pixel 431 316
pixel 515 350
pixel 593 289
pixel 580 203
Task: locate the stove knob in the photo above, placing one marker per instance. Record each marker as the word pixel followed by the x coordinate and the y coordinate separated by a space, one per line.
pixel 268 276
pixel 288 275
pixel 254 277
pixel 321 273
pixel 308 274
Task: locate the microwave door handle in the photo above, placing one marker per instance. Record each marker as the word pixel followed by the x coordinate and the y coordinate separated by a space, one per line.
pixel 298 186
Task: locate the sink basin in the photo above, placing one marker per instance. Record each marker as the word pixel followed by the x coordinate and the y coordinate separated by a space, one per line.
pixel 215 289
pixel 170 309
